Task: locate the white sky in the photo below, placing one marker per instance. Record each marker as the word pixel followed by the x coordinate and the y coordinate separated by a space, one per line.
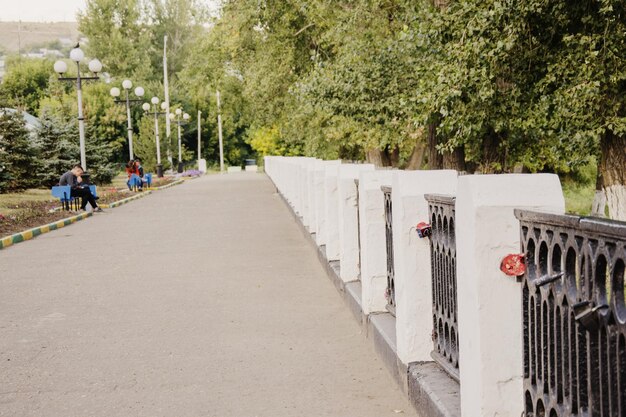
pixel 46 10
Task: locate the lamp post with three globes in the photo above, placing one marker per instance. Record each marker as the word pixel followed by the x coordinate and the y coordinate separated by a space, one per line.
pixel 156 113
pixel 176 118
pixel 139 92
pixel 95 66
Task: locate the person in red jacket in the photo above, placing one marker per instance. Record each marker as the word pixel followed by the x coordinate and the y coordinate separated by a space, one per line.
pixel 130 170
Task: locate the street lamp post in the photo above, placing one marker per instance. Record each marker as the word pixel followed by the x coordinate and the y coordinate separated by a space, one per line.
pixel 139 92
pixel 156 113
pixel 95 66
pixel 176 118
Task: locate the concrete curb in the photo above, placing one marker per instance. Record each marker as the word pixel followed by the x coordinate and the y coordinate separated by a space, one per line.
pixel 171 184
pixel 7 241
pixel 126 200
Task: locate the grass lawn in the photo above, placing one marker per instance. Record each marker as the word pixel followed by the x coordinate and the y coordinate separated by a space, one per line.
pixel 9 203
pixel 578 197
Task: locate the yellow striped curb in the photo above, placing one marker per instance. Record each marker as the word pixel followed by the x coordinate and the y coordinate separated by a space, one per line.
pixel 7 241
pixel 126 200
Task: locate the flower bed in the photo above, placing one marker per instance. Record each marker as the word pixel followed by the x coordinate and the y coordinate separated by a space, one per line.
pixel 191 173
pixel 160 182
pixel 29 214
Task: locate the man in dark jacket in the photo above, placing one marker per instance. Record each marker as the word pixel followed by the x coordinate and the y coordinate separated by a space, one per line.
pixel 78 189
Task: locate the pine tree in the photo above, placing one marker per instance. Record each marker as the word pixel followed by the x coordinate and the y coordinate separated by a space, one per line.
pixel 18 157
pixel 99 157
pixel 57 141
pixel 5 176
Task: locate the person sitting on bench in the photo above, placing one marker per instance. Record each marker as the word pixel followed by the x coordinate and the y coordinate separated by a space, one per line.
pixel 78 189
pixel 139 172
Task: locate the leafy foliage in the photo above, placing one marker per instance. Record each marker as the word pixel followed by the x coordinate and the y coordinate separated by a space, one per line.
pixel 17 154
pixel 25 83
pixel 58 148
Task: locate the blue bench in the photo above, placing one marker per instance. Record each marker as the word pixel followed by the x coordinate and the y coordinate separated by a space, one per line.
pixel 136 182
pixel 64 194
pixel 148 179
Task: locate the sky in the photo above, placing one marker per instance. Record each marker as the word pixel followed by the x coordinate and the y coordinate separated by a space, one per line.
pixel 45 10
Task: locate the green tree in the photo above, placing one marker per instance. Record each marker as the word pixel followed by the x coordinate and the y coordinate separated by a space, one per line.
pixel 104 123
pixel 118 37
pixel 19 155
pixel 57 143
pixel 25 83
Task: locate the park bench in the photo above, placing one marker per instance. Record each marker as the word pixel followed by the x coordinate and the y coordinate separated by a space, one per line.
pixel 136 182
pixel 63 193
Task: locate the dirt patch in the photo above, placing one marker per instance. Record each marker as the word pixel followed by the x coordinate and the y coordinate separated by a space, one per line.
pixel 29 214
pixel 27 211
pixel 160 182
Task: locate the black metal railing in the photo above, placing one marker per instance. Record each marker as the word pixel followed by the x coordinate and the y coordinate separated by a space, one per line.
pixel 443 275
pixel 390 292
pixel 574 315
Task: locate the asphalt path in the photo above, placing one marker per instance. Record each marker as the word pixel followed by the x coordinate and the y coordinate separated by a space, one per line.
pixel 200 300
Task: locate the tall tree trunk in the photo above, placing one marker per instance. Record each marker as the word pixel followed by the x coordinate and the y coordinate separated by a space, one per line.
pixel 455 159
pixel 394 156
pixel 377 157
pixel 417 156
pixel 599 198
pixel 435 159
pixel 493 158
pixel 613 170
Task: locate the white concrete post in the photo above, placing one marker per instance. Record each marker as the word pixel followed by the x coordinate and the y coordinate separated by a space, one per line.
pixel 305 164
pixel 348 220
pixel 320 199
pixel 267 164
pixel 331 212
pixel 311 194
pixel 295 183
pixel 489 302
pixel 373 245
pixel 414 323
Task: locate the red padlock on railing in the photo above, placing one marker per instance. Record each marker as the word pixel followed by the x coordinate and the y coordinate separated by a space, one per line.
pixel 423 230
pixel 513 265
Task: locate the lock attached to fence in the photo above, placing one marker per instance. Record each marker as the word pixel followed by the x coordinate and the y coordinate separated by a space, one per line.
pixel 587 314
pixel 513 265
pixel 423 230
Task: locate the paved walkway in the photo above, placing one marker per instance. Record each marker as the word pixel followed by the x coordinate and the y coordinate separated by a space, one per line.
pixel 200 300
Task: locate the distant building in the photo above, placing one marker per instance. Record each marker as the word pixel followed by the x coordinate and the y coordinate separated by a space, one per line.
pixel 44 53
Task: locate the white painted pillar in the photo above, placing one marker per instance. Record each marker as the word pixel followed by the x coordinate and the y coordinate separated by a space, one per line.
pixel 311 196
pixel 373 245
pixel 320 199
pixel 414 323
pixel 305 163
pixel 331 211
pixel 296 177
pixel 267 165
pixel 489 302
pixel 349 219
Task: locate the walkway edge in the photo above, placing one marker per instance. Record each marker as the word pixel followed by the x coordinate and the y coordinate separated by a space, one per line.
pixel 431 392
pixel 126 200
pixel 10 240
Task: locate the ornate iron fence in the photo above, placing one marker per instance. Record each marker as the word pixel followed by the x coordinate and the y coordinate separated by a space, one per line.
pixel 574 315
pixel 443 276
pixel 390 292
